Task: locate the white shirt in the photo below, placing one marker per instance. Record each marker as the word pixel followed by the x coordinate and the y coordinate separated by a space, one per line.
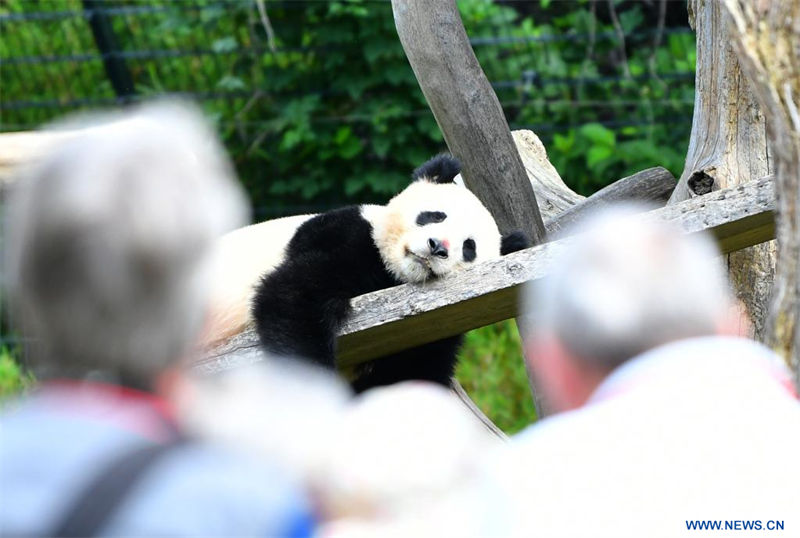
pixel 702 430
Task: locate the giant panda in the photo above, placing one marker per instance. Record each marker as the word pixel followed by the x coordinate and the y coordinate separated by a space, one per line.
pixel 433 228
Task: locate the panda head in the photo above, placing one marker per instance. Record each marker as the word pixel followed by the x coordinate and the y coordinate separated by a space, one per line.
pixel 435 227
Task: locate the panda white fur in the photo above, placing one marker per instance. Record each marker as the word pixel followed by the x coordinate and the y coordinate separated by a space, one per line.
pixel 432 228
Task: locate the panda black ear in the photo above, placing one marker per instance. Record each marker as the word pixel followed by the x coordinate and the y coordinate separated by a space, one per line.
pixel 441 169
pixel 513 242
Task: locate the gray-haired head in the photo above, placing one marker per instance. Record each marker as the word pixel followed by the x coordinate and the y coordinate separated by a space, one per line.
pixel 626 285
pixel 108 241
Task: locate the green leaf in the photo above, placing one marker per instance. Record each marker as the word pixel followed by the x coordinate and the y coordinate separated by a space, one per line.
pixel 564 143
pixel 598 134
pixel 353 185
pixel 231 83
pixel 598 154
pixel 13 379
pixel 381 145
pixel 225 44
pixel 342 134
pixel 290 139
pixel 631 18
pixel 309 189
pixel 350 148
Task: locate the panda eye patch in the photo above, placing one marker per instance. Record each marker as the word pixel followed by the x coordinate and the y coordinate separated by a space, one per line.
pixel 430 217
pixel 469 250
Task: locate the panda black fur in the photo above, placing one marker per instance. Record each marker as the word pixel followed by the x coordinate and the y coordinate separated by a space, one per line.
pixel 332 257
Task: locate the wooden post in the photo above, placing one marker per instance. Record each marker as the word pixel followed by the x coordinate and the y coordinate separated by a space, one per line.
pixel 467 111
pixel 728 146
pixel 767 38
pixel 470 117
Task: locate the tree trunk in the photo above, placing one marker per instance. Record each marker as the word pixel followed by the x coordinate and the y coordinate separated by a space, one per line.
pixel 767 38
pixel 728 147
pixel 467 110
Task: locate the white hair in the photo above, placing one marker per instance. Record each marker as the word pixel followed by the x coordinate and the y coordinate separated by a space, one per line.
pixel 627 284
pixel 108 240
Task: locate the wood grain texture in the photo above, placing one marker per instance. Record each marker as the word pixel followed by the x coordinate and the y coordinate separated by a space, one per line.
pixel 767 37
pixel 728 146
pixel 552 194
pixel 468 112
pixel 412 314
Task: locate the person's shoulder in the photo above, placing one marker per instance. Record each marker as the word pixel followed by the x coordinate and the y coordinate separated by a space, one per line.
pixel 564 427
pixel 216 489
pixel 549 439
pixel 226 472
pixel 562 447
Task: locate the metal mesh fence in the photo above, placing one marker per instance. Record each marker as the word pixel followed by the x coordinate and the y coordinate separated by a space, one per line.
pixel 61 55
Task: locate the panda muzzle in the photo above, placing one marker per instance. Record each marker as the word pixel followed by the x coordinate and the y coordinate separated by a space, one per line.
pixel 438 248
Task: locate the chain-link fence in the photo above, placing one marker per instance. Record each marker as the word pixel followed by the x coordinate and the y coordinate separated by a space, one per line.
pixel 62 55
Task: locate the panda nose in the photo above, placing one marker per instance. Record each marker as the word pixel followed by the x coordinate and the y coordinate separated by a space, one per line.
pixel 437 248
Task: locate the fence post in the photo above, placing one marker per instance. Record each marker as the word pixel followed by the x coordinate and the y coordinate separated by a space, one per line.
pixel 106 40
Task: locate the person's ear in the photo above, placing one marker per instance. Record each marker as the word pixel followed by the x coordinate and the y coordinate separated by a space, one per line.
pixel 565 380
pixel 735 321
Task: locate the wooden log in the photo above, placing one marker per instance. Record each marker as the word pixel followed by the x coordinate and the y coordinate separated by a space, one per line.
pixel 468 112
pixel 728 146
pixel 561 207
pixel 413 315
pixel 552 194
pixel 405 316
pixel 652 186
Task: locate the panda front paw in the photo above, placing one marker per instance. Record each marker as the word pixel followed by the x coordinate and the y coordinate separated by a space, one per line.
pixel 513 242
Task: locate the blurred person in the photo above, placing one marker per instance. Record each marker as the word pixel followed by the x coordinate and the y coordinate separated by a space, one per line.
pixel 107 259
pixel 406 462
pixel 661 422
pixel 402 460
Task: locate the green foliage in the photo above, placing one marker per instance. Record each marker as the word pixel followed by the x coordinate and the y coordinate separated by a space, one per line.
pixel 598 123
pixel 13 380
pixel 335 115
pixel 348 120
pixel 492 371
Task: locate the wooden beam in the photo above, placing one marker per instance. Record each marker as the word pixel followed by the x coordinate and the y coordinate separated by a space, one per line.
pixel 729 146
pixel 409 315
